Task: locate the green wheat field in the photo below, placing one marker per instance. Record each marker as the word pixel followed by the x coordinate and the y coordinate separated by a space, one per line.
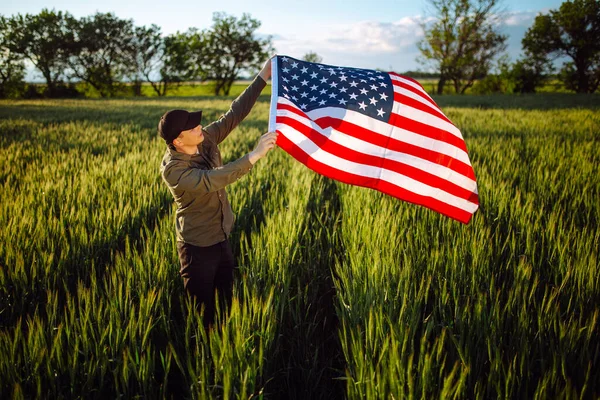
pixel 341 292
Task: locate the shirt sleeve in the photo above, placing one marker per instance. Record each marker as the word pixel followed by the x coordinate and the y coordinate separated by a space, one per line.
pixel 181 177
pixel 239 109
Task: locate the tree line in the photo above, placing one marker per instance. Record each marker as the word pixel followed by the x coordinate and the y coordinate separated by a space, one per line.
pixel 114 56
pixel 464 44
pixel 461 48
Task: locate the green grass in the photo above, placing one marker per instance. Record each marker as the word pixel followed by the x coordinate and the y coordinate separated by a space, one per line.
pixel 203 89
pixel 186 89
pixel 341 292
pixel 197 89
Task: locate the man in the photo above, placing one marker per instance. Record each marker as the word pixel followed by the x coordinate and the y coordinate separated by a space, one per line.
pixel 194 172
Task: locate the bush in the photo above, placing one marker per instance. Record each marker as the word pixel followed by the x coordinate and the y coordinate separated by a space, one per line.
pixel 11 89
pixel 527 76
pixel 12 74
pixel 569 76
pixel 493 84
pixel 31 92
pixel 63 90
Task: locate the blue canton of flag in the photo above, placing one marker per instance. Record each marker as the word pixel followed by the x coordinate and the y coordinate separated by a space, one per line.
pixel 311 86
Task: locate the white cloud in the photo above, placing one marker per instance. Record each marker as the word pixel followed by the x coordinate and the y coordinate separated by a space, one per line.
pixel 364 37
pixel 520 18
pixel 366 42
pixel 375 37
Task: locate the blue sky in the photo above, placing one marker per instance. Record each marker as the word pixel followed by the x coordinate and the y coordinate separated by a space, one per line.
pixel 366 34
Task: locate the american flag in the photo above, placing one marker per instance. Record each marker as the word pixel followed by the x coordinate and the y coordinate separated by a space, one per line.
pixel 374 129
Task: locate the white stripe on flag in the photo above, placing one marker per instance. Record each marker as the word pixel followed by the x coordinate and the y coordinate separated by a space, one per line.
pixel 414 96
pixel 412 84
pixel 428 119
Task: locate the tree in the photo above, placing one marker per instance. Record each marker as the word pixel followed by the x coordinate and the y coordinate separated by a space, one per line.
pixel 180 60
pixel 229 48
pixel 462 43
pixel 571 31
pixel 12 68
pixel 171 59
pixel 313 57
pixel 100 51
pixel 532 70
pixel 42 39
pixel 145 53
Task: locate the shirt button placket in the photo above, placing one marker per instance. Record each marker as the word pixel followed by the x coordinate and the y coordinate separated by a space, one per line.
pixel 222 213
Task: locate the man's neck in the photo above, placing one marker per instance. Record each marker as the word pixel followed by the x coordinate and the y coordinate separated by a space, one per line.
pixel 191 150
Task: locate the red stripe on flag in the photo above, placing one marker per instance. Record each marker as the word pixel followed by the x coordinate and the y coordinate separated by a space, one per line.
pixel 295 110
pixel 416 91
pixel 402 99
pixel 427 130
pixel 377 184
pixel 416 82
pixel 367 159
pixel 408 78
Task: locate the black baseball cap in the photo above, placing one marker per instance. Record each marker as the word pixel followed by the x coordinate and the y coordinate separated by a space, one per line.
pixel 173 122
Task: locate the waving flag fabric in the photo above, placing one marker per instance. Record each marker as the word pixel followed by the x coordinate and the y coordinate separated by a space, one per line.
pixel 374 129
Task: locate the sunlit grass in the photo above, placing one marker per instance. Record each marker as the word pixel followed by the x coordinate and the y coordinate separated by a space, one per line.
pixel 340 291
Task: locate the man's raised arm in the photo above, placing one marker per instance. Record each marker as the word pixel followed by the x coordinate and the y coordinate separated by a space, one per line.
pixel 240 107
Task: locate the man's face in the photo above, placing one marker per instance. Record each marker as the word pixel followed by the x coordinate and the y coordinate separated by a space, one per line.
pixel 191 137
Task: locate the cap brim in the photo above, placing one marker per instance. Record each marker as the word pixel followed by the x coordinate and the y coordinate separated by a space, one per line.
pixel 194 119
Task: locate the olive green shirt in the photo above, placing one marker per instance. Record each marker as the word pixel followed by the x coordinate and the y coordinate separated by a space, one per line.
pixel 197 182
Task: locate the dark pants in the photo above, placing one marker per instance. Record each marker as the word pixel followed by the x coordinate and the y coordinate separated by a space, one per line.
pixel 204 270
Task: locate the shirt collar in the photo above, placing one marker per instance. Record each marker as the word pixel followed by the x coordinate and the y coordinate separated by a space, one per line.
pixel 177 155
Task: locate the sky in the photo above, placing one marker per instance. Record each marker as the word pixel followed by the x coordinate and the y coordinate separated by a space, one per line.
pixel 365 34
